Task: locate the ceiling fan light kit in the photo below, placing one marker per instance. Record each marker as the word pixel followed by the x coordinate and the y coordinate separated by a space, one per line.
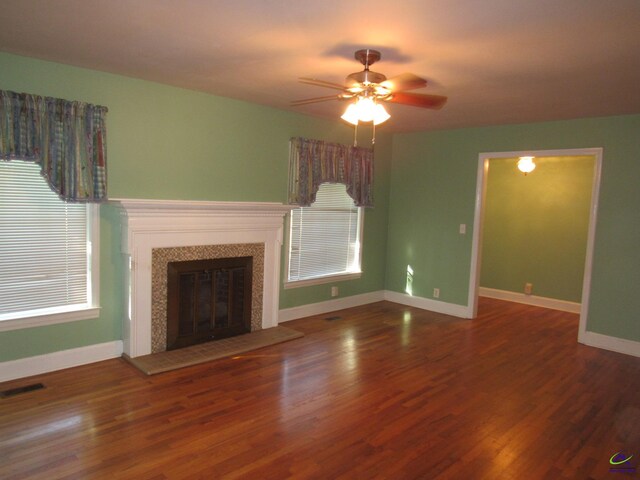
pixel 368 89
pixel 365 109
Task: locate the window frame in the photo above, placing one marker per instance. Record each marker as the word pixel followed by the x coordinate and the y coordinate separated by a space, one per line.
pixel 59 315
pixel 324 279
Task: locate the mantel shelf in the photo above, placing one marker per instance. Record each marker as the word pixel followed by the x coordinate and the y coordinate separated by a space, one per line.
pixel 143 208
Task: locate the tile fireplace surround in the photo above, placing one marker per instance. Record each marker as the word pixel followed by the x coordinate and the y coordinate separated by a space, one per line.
pixel 161 257
pixel 161 224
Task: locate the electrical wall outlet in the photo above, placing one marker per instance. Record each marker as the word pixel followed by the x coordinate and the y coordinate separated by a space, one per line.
pixel 334 291
pixel 436 293
pixel 528 288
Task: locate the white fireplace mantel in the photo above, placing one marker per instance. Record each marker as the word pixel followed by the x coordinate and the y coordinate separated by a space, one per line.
pixel 149 224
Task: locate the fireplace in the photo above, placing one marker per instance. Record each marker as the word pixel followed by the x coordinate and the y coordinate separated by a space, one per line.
pixel 208 300
pixel 157 232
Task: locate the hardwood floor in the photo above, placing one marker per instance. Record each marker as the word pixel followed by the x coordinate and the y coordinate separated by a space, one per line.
pixel 386 391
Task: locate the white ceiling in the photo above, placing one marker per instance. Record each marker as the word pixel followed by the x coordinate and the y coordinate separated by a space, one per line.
pixel 498 61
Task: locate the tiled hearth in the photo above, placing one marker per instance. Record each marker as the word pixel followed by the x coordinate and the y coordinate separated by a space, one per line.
pixel 205 352
pixel 153 230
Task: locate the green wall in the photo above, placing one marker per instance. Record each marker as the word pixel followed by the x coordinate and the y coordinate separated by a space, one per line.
pixel 535 226
pixel 433 186
pixel 169 143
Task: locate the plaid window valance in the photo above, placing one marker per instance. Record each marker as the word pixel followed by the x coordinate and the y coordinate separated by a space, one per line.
pixel 67 139
pixel 313 162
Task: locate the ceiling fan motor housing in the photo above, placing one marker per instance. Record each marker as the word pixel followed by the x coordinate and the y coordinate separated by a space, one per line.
pixel 367 57
pixel 366 77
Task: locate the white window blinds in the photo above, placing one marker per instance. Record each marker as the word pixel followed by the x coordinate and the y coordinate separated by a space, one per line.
pixel 44 248
pixel 325 237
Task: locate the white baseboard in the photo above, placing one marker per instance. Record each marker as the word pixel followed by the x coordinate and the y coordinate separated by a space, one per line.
pixel 545 302
pixel 26 367
pixel 319 308
pixel 461 311
pixel 620 345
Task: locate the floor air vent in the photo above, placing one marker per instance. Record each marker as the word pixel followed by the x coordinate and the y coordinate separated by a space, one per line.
pixel 17 391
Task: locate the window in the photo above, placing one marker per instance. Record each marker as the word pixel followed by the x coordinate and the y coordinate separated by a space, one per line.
pixel 325 238
pixel 48 254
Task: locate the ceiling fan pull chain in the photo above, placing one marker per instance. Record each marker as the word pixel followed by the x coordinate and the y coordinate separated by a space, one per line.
pixel 373 136
pixel 355 135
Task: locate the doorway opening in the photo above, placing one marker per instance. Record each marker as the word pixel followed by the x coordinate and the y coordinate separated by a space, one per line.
pixel 479 215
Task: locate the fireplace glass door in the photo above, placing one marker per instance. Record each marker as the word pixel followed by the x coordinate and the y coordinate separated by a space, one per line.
pixel 208 300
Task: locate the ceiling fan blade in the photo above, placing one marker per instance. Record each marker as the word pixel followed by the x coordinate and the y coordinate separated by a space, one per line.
pixel 321 83
pixel 418 100
pixel 404 81
pixel 306 101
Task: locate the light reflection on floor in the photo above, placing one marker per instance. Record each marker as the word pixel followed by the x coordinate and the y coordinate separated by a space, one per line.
pixel 59 425
pixel 405 334
pixel 350 349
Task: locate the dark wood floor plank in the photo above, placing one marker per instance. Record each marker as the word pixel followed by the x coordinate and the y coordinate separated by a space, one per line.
pixel 386 391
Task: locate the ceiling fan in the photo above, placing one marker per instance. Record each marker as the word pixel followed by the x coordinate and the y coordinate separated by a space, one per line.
pixel 369 89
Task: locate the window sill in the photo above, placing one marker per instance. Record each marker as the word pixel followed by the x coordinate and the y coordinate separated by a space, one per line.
pixel 49 319
pixel 322 280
